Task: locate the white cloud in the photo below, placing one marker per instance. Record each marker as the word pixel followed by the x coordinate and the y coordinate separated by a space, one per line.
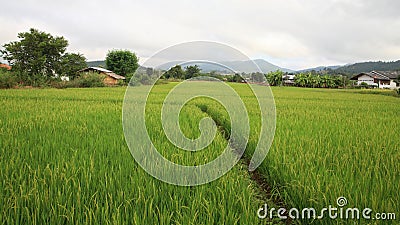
pixel 293 33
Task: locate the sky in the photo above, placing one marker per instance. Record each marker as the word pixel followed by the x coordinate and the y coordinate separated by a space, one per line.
pixel 294 34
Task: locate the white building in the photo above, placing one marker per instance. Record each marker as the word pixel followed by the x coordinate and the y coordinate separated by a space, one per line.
pixel 379 79
pixel 288 79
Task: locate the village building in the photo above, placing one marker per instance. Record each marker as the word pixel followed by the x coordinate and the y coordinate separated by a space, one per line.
pixel 379 79
pixel 110 79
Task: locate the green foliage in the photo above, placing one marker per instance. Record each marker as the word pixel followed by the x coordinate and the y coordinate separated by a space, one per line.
pixel 87 80
pixel 178 73
pixel 236 78
pixel 122 62
pixel 377 91
pixel 84 81
pixel 37 54
pixel 149 71
pixel 192 71
pixel 71 63
pixel 65 160
pixel 7 79
pixel 174 72
pixel 274 78
pixel 398 91
pixel 368 67
pixel 257 77
pixel 317 81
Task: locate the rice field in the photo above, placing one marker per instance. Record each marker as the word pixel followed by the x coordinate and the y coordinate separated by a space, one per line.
pixel 64 159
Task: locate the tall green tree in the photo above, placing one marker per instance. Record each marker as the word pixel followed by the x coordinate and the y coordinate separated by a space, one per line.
pixel 315 81
pixel 192 71
pixel 300 80
pixel 257 77
pixel 236 78
pixel 71 63
pixel 36 55
pixel 122 62
pixel 274 78
pixel 174 72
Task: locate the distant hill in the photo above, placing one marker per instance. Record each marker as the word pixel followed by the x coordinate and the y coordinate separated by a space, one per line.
pixel 248 67
pixel 102 63
pixel 368 67
pixel 238 66
pixel 320 68
pixel 98 63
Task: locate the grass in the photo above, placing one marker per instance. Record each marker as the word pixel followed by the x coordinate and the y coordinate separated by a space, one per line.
pixel 64 159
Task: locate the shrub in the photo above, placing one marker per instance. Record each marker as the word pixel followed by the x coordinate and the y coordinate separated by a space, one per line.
pixel 161 81
pixel 60 84
pixel 7 79
pixel 88 80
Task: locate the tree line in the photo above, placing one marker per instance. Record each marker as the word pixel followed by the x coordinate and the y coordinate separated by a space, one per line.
pixel 311 80
pixel 40 59
pixel 274 78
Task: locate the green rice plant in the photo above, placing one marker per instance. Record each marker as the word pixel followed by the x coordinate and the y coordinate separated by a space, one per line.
pixel 64 159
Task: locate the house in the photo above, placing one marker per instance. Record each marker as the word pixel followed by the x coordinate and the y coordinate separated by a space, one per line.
pixel 288 79
pixel 111 77
pixel 379 79
pixel 5 66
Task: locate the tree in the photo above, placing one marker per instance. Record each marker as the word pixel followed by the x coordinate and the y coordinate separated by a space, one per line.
pixel 315 81
pixel 327 81
pixel 274 78
pixel 36 55
pixel 149 71
pixel 300 80
pixel 192 71
pixel 236 78
pixel 71 63
pixel 257 77
pixel 175 72
pixel 122 62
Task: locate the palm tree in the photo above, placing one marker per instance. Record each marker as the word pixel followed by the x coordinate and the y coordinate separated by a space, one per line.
pixel 274 78
pixel 315 81
pixel 300 80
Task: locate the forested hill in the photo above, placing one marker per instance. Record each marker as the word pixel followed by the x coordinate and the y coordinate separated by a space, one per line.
pixel 369 66
pixel 99 63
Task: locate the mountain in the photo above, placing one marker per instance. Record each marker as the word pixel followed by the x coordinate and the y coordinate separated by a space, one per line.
pixel 319 68
pixel 238 66
pixel 368 67
pixel 265 67
pixel 98 63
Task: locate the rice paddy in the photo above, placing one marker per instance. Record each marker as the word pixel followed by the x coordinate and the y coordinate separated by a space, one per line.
pixel 64 159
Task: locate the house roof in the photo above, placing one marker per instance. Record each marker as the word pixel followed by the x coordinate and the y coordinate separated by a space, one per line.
pixel 2 65
pixel 99 69
pixel 116 76
pixel 390 74
pixel 105 71
pixel 379 75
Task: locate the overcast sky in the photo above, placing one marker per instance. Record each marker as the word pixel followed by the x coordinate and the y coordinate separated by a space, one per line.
pixel 292 34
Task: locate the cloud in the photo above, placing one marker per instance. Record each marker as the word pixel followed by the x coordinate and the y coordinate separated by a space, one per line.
pixel 294 33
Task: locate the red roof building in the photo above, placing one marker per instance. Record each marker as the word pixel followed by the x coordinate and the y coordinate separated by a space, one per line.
pixel 5 66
